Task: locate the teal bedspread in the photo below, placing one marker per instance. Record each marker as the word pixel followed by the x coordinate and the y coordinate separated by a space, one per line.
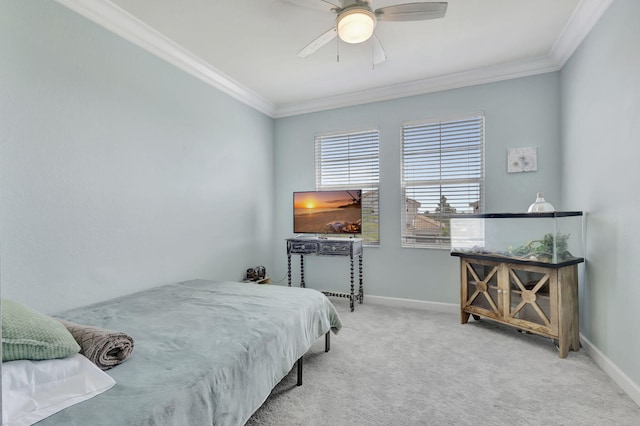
pixel 206 353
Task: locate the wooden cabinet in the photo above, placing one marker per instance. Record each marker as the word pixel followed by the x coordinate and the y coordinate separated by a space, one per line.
pixel 538 298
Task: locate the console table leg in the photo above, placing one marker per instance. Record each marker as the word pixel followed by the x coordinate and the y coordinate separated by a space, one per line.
pixel 302 271
pixel 361 290
pixel 352 297
pixel 289 269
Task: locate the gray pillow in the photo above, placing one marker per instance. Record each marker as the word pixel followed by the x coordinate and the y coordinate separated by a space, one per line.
pixel 27 334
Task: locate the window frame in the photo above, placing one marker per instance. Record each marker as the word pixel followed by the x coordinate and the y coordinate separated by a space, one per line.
pixel 435 234
pixel 358 179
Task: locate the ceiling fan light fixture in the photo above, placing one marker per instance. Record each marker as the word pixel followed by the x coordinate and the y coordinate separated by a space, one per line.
pixel 355 25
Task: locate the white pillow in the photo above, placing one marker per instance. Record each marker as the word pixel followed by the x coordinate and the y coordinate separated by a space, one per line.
pixel 34 390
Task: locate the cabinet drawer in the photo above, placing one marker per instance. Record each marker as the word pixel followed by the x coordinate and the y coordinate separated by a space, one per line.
pixel 335 249
pixel 306 247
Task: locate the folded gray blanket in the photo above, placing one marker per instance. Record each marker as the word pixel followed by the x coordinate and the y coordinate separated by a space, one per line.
pixel 105 348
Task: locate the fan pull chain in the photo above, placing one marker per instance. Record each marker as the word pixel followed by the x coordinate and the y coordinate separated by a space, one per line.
pixel 338 49
pixel 373 56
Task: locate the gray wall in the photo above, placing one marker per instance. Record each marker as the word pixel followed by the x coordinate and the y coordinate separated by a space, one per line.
pixel 118 171
pixel 600 174
pixel 518 113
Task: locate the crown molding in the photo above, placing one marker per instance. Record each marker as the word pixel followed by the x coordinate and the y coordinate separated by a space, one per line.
pixel 457 80
pixel 118 21
pixel 584 18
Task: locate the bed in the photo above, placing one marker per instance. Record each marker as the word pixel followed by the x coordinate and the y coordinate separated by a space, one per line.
pixel 206 352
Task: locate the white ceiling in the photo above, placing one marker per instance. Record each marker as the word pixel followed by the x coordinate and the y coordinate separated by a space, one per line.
pixel 248 48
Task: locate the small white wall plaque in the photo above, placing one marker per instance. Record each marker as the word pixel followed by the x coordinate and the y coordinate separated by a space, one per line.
pixel 522 159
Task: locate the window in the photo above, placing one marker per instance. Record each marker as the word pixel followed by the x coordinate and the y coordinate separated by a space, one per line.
pixel 442 175
pixel 351 161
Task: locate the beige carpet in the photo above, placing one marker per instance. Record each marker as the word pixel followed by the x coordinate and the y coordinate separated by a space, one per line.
pixel 392 366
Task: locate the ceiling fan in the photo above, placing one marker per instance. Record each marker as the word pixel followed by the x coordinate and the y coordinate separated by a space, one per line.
pixel 356 21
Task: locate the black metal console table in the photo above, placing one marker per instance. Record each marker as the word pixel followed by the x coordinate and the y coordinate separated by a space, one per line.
pixel 351 247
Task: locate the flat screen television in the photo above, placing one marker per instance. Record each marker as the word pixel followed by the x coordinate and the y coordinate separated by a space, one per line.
pixel 327 212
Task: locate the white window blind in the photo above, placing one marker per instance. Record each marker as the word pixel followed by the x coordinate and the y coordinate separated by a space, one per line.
pixel 351 161
pixel 442 175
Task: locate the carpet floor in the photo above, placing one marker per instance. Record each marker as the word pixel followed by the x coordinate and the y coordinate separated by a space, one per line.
pixel 395 366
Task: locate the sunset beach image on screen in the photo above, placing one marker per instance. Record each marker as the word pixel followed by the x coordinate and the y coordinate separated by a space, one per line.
pixel 327 212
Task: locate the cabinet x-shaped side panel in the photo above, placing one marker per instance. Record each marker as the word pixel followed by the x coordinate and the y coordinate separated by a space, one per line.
pixel 482 287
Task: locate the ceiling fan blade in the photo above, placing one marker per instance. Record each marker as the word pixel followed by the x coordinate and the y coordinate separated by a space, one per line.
pixel 412 11
pixel 379 55
pixel 316 4
pixel 318 42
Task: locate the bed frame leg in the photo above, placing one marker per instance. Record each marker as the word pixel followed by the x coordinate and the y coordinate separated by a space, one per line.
pixel 299 364
pixel 327 347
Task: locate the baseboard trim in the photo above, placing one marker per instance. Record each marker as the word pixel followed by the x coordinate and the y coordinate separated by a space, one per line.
pixel 451 308
pixel 612 370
